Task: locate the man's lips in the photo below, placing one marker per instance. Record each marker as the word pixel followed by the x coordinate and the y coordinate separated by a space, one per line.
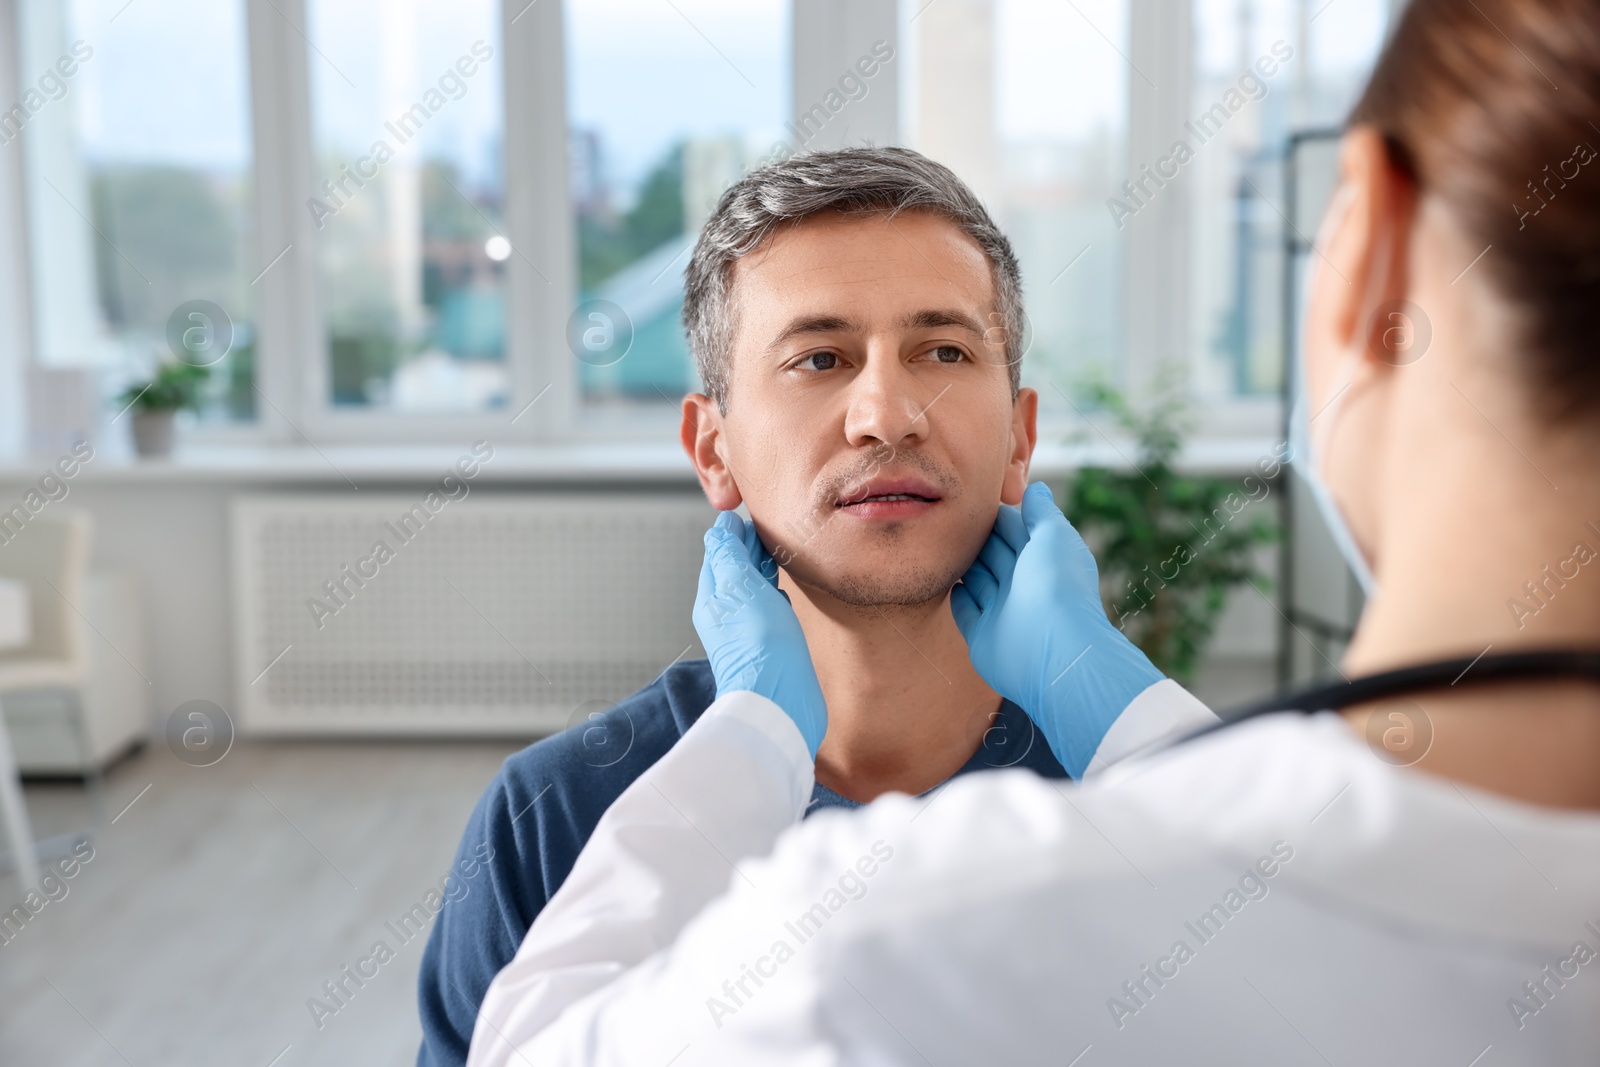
pixel 881 491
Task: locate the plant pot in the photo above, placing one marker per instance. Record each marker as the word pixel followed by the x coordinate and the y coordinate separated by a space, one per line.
pixel 152 433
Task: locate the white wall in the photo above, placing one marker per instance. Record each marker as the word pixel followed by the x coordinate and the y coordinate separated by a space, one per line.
pixel 173 536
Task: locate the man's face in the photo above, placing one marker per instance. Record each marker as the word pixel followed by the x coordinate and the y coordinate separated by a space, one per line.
pixel 870 426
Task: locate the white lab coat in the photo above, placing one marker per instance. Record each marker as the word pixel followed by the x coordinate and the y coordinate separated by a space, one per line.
pixel 1271 894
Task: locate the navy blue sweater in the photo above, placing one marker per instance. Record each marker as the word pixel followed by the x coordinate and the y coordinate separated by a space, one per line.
pixel 532 821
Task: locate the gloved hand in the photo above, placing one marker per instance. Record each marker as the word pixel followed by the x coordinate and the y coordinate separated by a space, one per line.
pixel 749 630
pixel 1030 610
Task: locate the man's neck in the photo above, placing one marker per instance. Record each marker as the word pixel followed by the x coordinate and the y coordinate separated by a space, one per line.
pixel 906 709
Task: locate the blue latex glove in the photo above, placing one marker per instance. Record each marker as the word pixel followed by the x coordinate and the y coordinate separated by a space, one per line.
pixel 1037 632
pixel 750 632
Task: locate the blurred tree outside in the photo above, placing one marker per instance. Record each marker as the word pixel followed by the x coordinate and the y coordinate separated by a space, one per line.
pixel 167 235
pixel 446 216
pixel 608 242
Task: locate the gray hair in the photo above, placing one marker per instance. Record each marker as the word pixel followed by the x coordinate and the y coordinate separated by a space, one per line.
pixel 864 181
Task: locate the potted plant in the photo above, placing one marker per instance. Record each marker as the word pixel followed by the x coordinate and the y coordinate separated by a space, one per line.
pixel 1171 547
pixel 157 401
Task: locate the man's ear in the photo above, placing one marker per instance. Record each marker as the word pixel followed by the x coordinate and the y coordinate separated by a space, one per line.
pixel 701 434
pixel 1024 434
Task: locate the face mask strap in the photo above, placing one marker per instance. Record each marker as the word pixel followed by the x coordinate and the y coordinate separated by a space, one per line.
pixel 1303 457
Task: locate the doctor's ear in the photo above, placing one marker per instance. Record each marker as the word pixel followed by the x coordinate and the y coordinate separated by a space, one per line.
pixel 701 435
pixel 1362 259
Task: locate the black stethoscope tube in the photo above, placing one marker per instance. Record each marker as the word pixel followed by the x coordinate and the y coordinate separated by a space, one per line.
pixel 1441 674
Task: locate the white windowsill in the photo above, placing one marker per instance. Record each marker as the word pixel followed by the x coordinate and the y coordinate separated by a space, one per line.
pixel 574 465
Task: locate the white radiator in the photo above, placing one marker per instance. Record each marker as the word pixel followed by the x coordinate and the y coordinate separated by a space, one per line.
pixel 495 614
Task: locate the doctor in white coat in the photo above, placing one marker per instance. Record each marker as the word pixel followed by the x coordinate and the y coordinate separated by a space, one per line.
pixel 1411 878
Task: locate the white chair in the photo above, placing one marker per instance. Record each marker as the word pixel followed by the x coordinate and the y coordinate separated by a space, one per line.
pixel 51 556
pixel 16 629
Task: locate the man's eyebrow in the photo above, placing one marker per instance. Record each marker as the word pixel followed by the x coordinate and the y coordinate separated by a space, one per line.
pixel 926 319
pixel 813 324
pixel 933 318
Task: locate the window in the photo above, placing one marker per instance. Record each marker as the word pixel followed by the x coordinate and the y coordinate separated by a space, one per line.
pixel 1029 101
pixel 1059 164
pixel 450 209
pixel 668 104
pixel 140 189
pixel 1262 69
pixel 406 114
pixel 1026 100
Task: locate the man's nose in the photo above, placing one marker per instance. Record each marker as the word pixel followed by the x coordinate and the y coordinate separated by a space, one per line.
pixel 886 403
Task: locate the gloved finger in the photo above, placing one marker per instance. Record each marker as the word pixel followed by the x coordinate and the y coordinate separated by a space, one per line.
pixel 744 531
pixel 759 555
pixel 727 523
pixel 998 556
pixel 1046 521
pixel 1076 550
pixel 757 552
pixel 707 587
pixel 713 540
pixel 736 523
pixel 729 558
pixel 981 585
pixel 708 609
pixel 1040 512
pixel 744 538
pixel 967 613
pixel 1010 526
pixel 979 579
pixel 1039 507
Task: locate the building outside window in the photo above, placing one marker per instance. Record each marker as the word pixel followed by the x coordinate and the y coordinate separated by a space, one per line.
pixel 361 185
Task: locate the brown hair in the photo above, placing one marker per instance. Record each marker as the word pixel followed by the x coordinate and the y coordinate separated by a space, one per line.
pixel 1492 106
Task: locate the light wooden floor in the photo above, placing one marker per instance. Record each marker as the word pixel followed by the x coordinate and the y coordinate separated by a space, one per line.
pixel 223 898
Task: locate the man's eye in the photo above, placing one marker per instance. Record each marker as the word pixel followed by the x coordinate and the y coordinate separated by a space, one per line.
pixel 819 361
pixel 949 354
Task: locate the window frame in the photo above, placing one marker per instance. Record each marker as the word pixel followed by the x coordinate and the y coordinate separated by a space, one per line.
pixel 16 276
pixel 293 406
pixel 293 364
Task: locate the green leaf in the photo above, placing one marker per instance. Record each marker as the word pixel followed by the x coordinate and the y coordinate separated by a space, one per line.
pixel 1170 547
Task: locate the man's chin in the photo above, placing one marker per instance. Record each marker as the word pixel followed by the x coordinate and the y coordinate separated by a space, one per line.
pixel 900 588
